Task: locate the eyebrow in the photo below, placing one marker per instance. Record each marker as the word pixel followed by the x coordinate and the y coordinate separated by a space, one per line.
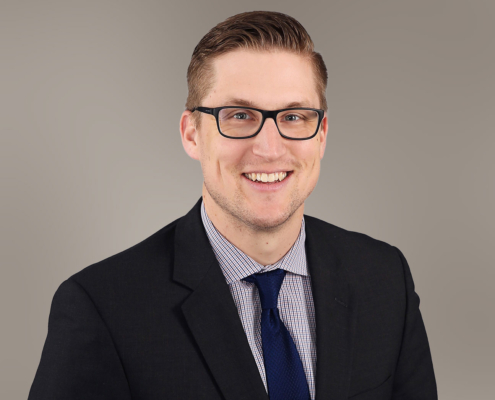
pixel 247 103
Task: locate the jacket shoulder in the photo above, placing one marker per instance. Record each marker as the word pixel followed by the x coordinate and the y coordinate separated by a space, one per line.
pixel 345 239
pixel 363 257
pixel 140 261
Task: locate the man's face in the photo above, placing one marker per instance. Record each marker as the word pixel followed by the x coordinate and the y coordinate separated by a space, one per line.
pixel 269 81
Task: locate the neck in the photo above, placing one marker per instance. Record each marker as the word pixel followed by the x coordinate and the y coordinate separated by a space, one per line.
pixel 265 247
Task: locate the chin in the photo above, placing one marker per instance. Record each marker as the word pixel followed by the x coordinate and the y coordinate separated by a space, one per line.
pixel 268 217
pixel 262 222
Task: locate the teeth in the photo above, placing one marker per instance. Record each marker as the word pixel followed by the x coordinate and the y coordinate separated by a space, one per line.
pixel 262 177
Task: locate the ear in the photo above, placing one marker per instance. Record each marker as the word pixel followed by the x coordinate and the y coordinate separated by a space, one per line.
pixel 189 135
pixel 323 135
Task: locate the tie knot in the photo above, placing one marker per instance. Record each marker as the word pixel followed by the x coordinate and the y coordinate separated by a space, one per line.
pixel 268 285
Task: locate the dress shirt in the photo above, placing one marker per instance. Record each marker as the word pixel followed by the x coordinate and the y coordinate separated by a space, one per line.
pixel 295 301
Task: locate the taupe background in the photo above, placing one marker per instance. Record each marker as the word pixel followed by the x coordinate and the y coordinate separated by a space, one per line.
pixel 91 160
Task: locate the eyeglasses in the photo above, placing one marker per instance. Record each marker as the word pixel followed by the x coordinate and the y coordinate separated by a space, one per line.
pixel 245 122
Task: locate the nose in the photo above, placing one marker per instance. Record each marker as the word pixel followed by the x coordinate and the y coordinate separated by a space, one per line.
pixel 268 143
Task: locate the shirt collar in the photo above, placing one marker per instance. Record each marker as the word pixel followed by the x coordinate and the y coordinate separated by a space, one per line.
pixel 237 265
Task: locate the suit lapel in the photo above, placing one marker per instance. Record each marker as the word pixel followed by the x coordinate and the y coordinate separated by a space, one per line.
pixel 334 312
pixel 212 316
pixel 211 313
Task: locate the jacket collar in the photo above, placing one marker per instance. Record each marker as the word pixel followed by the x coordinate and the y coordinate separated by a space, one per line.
pixel 213 319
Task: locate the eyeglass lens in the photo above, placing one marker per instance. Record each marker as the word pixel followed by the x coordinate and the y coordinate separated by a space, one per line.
pixel 241 122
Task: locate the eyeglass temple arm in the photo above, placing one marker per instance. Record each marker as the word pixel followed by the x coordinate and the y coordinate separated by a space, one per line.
pixel 203 109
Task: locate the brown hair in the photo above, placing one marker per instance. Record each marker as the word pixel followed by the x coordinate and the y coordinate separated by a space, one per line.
pixel 256 30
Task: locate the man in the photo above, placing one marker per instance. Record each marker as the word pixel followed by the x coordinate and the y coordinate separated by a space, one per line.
pixel 245 297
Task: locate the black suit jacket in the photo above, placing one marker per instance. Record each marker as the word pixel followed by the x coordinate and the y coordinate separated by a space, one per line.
pixel 157 321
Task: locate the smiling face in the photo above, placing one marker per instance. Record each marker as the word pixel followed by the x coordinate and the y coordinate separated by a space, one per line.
pixel 269 81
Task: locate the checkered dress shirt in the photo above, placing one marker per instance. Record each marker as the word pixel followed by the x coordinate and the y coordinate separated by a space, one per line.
pixel 295 301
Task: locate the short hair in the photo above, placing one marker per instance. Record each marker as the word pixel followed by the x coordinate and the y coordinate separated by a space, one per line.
pixel 254 30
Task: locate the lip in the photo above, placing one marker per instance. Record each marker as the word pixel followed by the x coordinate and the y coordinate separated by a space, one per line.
pixel 268 187
pixel 267 172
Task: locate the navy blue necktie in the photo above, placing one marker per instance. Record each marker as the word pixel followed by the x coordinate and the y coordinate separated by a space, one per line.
pixel 284 371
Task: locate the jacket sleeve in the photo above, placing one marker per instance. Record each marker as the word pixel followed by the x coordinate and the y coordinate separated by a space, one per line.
pixel 414 378
pixel 79 359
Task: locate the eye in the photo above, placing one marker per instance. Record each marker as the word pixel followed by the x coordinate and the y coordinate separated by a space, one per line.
pixel 241 115
pixel 238 115
pixel 291 117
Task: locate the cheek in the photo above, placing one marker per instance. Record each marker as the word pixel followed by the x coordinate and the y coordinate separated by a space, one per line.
pixel 219 157
pixel 309 156
pixel 229 160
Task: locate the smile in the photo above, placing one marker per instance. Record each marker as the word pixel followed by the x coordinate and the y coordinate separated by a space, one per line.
pixel 263 177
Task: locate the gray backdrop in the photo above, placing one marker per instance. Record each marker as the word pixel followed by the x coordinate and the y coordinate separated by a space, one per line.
pixel 92 163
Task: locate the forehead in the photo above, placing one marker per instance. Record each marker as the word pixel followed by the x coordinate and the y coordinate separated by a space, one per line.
pixel 266 79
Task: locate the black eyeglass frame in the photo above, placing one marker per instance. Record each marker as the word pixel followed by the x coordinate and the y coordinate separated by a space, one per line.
pixel 265 114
